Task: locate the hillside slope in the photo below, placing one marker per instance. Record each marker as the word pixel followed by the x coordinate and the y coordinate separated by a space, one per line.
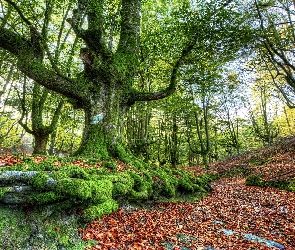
pixel 273 162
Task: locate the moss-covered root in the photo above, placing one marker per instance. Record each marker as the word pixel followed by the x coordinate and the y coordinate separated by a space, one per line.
pixel 95 212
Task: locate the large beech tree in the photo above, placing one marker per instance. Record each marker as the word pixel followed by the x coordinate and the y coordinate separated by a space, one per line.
pixel 111 52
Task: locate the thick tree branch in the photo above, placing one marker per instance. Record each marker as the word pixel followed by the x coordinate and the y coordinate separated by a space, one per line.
pixel 56 115
pixel 6 17
pixel 289 103
pixel 24 111
pixel 34 69
pixel 38 41
pixel 93 36
pixel 277 56
pixel 140 96
pixel 18 10
pixel 130 29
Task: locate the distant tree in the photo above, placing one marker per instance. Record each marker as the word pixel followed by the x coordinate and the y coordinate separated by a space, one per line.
pixel 38 130
pixel 263 123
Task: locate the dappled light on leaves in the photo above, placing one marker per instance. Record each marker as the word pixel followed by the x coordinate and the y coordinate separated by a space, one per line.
pixel 267 213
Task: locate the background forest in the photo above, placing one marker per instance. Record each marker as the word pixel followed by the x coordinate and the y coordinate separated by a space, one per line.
pixel 234 90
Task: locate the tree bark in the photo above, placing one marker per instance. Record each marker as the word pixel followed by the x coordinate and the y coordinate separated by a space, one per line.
pixel 40 142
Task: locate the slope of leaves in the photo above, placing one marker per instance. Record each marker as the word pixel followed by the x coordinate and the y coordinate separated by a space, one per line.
pixel 261 213
pixel 272 162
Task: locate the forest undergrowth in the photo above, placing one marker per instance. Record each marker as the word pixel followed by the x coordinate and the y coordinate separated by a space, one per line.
pixel 252 206
pixel 233 216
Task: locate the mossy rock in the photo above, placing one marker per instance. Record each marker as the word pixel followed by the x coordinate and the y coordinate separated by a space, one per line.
pixel 44 198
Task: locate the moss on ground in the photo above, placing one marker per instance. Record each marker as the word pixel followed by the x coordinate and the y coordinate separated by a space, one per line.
pixel 39 229
pixel 95 188
pixel 71 191
pixel 2 191
pixel 255 180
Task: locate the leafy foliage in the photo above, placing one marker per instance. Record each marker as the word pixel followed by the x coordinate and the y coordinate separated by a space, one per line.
pixel 254 180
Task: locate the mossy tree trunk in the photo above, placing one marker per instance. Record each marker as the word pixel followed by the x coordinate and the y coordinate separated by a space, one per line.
pixel 103 124
pixel 203 124
pixel 40 142
pixel 174 150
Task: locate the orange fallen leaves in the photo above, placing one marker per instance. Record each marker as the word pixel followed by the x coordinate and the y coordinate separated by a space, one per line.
pixel 264 212
pixel 9 160
pixel 231 203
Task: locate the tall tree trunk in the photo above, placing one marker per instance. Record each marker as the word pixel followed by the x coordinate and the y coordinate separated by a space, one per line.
pixel 174 155
pixel 40 142
pixel 104 122
pixel 39 131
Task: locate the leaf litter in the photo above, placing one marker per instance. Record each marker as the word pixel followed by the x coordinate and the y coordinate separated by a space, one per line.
pixel 233 216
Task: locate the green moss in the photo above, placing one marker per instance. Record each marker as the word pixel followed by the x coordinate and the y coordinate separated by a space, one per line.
pixel 101 190
pixel 91 187
pixel 254 180
pixel 44 198
pixel 111 165
pixel 257 161
pixel 94 191
pixel 142 187
pixel 3 190
pixel 13 231
pixel 96 145
pixel 288 184
pixel 167 183
pixel 122 154
pixel 40 180
pixel 123 183
pixel 126 156
pixel 97 211
pixel 72 171
pixel 75 188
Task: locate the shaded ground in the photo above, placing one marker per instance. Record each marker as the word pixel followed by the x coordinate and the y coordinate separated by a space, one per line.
pixel 233 216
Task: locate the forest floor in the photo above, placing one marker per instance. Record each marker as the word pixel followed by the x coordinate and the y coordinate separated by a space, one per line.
pixel 233 216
